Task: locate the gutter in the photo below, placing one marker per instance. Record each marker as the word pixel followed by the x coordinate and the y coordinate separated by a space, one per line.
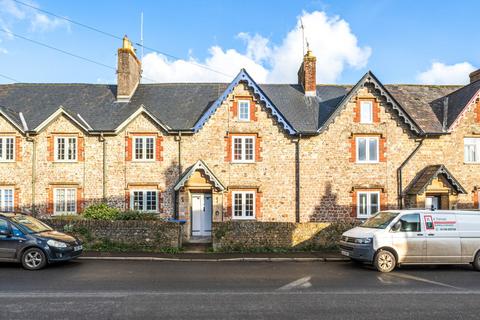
pixel 399 173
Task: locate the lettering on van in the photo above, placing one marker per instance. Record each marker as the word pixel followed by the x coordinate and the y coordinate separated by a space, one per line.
pixel 439 223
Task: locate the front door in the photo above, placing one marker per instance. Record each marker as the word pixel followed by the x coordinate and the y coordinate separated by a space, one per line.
pixel 201 214
pixel 432 202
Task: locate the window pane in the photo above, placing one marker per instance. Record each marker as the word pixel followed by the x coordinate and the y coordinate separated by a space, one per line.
pixel 138 148
pixel 243 110
pixel 410 223
pixel 248 148
pixel 138 201
pixel 471 148
pixel 237 204
pixel 1 149
pixel 237 148
pixel 366 112
pixel 59 200
pixel 373 154
pixel 362 204
pixel 149 148
pixel 9 151
pixel 362 149
pixel 151 201
pixel 249 207
pixel 6 197
pixel 374 203
pixel 71 197
pixel 60 148
pixel 72 148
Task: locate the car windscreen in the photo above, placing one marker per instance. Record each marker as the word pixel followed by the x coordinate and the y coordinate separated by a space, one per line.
pixel 380 221
pixel 31 224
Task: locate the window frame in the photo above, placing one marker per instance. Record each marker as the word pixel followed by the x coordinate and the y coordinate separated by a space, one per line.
pixel 3 146
pixel 243 148
pixel 362 103
pixel 367 149
pixel 410 214
pixel 243 215
pixel 368 208
pixel 144 200
pixel 144 148
pixel 64 213
pixel 476 145
pixel 239 111
pixel 2 199
pixel 66 147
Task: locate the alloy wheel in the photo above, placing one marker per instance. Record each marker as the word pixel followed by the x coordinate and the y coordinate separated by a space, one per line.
pixel 33 259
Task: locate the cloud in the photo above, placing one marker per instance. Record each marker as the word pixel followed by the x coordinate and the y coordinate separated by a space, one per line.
pixel 330 39
pixel 440 73
pixel 41 23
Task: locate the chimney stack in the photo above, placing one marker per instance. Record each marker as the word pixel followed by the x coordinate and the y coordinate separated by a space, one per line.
pixel 307 74
pixel 475 76
pixel 129 71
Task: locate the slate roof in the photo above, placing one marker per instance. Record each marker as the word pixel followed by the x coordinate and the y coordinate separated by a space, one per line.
pixel 425 177
pixel 179 106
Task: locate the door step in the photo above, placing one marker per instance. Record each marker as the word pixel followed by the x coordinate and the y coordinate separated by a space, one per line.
pixel 190 247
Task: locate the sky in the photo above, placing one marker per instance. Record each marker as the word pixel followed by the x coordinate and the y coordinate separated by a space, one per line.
pixel 400 41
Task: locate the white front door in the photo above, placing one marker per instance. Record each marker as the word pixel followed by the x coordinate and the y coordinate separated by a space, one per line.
pixel 201 214
pixel 432 203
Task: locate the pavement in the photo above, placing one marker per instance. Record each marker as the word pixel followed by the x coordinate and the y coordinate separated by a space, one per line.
pixel 105 289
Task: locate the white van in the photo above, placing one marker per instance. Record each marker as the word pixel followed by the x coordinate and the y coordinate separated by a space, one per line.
pixel 399 237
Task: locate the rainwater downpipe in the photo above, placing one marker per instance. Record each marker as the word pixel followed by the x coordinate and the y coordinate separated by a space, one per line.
pixel 399 173
pixel 175 193
pixel 297 178
pixel 34 174
pixel 104 167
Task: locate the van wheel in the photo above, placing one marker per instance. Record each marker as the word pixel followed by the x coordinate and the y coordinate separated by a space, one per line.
pixel 476 262
pixel 34 259
pixel 384 261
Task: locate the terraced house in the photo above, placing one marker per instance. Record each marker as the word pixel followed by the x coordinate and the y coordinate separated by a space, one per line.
pixel 207 152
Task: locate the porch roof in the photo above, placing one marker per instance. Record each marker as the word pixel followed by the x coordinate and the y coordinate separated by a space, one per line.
pixel 425 177
pixel 199 165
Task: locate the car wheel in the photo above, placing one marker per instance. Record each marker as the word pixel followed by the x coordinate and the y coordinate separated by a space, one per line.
pixel 384 261
pixel 476 262
pixel 34 259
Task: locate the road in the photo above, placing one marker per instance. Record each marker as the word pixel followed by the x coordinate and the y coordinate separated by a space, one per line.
pixel 236 290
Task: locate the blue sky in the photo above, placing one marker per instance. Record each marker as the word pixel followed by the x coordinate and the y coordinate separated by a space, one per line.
pixel 400 41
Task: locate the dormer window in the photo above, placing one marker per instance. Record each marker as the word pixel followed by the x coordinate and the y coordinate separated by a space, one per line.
pixel 244 110
pixel 366 112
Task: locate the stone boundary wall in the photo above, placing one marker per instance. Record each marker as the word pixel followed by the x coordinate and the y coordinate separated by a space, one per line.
pixel 253 235
pixel 122 235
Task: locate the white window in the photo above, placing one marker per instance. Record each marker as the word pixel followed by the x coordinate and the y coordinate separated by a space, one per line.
pixel 66 149
pixel 7 149
pixel 65 201
pixel 6 200
pixel 368 203
pixel 243 148
pixel 144 148
pixel 471 147
pixel 243 205
pixel 144 200
pixel 367 149
pixel 244 110
pixel 366 111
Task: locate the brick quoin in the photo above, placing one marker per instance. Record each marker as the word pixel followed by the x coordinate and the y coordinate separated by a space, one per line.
pixel 50 148
pixel 127 199
pixel 50 200
pixel 229 204
pixel 128 148
pixel 16 199
pixel 228 148
pixel 353 148
pixel 79 200
pixel 475 198
pixel 159 148
pixel 258 149
pixel 477 111
pixel 81 149
pixel 382 149
pixel 258 205
pixel 18 148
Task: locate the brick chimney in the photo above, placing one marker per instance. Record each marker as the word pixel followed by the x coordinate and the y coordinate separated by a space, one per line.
pixel 475 76
pixel 129 71
pixel 307 74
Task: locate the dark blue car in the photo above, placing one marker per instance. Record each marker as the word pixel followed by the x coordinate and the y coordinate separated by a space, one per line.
pixel 33 243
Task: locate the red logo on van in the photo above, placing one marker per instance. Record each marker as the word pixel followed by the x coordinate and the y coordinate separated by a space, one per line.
pixel 429 225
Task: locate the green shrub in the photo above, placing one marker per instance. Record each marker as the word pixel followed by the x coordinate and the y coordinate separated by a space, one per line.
pixel 101 212
pixel 136 215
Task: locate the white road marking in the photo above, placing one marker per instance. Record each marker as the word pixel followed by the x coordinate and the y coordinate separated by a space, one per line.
pixel 300 283
pixel 410 277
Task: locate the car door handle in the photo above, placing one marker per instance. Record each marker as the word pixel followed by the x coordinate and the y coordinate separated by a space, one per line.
pixel 430 234
pixel 419 234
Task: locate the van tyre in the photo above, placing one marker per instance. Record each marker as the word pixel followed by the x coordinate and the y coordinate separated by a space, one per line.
pixel 34 259
pixel 476 262
pixel 384 261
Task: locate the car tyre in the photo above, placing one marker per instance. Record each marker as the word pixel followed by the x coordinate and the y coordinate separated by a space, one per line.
pixel 476 262
pixel 384 261
pixel 34 259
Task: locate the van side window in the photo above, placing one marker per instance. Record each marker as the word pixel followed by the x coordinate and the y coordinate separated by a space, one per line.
pixel 410 223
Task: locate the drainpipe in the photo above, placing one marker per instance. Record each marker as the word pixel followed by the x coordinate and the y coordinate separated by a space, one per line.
pixel 104 169
pixel 297 178
pixel 175 193
pixel 399 173
pixel 34 175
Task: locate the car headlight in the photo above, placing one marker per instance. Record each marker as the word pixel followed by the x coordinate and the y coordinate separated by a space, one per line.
pixel 363 240
pixel 56 244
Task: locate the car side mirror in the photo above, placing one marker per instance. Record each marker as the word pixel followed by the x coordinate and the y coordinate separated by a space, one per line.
pixel 6 233
pixel 397 226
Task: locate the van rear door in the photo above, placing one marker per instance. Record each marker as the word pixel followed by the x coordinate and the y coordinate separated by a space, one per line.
pixel 443 240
